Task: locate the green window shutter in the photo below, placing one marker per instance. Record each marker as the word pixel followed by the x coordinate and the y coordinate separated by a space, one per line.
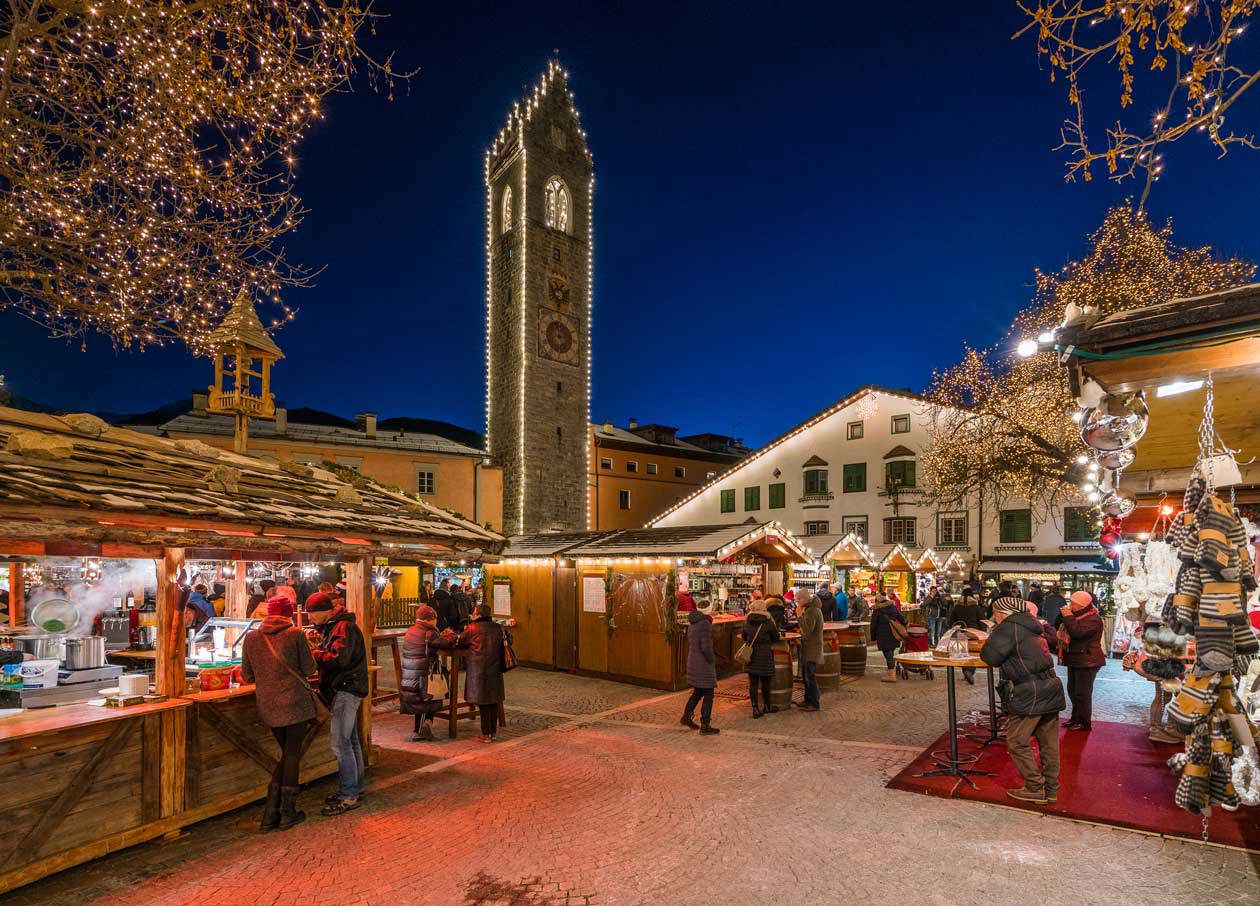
pixel 1016 526
pixel 728 501
pixel 752 499
pixel 854 477
pixel 1077 524
pixel 778 496
pixel 816 481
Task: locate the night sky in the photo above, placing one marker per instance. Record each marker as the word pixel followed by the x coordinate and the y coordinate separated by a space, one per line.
pixel 789 203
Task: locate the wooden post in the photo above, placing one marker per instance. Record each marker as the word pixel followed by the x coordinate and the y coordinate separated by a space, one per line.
pixel 237 604
pixel 169 669
pixel 17 594
pixel 361 602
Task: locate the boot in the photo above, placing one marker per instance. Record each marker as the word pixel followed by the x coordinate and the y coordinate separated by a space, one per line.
pixel 706 730
pixel 890 676
pixel 689 723
pixel 768 708
pixel 271 809
pixel 426 730
pixel 289 814
pixel 756 711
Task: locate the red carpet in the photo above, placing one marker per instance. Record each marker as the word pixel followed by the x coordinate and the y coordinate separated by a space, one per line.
pixel 1112 775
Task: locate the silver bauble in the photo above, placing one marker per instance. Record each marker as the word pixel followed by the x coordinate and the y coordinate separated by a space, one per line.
pixel 1115 505
pixel 1116 460
pixel 1116 425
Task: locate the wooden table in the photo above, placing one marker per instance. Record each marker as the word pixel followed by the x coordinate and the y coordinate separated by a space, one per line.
pixel 455 710
pixel 954 767
pixel 388 638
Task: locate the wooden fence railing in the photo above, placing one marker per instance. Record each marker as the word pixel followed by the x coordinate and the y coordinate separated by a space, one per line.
pixel 396 613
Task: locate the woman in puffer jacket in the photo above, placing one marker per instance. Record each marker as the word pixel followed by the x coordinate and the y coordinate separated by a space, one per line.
pixel 760 632
pixel 420 648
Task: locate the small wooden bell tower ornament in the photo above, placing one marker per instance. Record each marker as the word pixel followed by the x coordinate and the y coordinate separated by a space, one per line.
pixel 243 354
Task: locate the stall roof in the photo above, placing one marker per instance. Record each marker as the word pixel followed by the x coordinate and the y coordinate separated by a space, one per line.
pixel 1043 566
pixel 850 550
pixel 716 541
pixel 75 478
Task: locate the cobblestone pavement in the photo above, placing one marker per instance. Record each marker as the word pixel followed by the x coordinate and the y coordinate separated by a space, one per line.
pixel 595 795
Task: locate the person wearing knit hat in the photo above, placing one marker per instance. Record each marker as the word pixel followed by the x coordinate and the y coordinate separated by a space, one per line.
pixel 1080 647
pixel 419 657
pixel 280 606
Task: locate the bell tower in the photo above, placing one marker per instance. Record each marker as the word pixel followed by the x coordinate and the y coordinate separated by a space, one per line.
pixel 539 180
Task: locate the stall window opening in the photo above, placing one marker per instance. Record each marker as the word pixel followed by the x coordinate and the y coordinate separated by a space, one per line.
pixel 951 529
pixel 728 501
pixel 899 530
pixel 752 499
pixel 623 499
pixel 632 466
pixel 778 496
pixel 652 468
pixel 426 481
pixel 817 528
pixel 854 477
pixel 899 474
pixel 855 430
pixel 901 424
pixel 605 462
pixel 1015 526
pixel 1078 524
pixel 815 481
pixel 680 472
pixel 855 525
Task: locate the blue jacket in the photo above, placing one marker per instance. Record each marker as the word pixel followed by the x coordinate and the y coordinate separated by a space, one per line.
pixel 842 605
pixel 198 602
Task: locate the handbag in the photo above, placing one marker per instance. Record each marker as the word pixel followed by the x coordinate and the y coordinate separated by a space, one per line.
pixel 898 629
pixel 509 654
pixel 744 654
pixel 436 684
pixel 321 710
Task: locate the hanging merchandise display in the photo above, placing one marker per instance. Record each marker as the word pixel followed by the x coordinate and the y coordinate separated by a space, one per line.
pixel 1117 423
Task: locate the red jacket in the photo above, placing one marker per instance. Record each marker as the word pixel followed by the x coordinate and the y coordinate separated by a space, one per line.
pixel 685 601
pixel 1084 632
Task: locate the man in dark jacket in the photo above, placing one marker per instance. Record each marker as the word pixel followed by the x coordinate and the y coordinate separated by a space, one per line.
pixel 826 603
pixel 447 608
pixel 1033 696
pixel 341 656
pixel 811 626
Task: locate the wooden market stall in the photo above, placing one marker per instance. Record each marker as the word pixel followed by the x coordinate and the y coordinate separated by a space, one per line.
pixel 81 780
pixel 609 597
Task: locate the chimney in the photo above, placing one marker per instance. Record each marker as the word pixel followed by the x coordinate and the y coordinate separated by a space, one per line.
pixel 608 426
pixel 200 403
pixel 366 422
pixel 282 420
pixel 634 423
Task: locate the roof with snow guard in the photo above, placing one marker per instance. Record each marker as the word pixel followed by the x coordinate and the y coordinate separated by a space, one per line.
pixel 75 478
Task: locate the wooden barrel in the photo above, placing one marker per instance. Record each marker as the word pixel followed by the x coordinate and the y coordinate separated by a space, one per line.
pixel 781 682
pixel 829 670
pixel 851 648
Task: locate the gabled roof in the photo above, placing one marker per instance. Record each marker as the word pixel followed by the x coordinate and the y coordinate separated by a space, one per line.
pixel 864 390
pixel 714 541
pixel 241 325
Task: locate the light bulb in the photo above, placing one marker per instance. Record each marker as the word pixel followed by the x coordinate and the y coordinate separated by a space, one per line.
pixel 1077 416
pixel 1088 488
pixel 1082 458
pixel 1047 337
pixel 1093 497
pixel 1026 348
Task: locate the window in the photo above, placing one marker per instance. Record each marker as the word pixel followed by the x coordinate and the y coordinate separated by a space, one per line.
pixel 632 466
pixel 817 528
pixel 426 481
pixel 556 204
pixel 899 531
pixel 854 477
pixel 778 495
pixel 901 424
pixel 752 499
pixel 855 525
pixel 623 499
pixel 680 471
pixel 728 501
pixel 951 529
pixel 855 431
pixel 507 209
pixel 1015 526
pixel 899 474
pixel 1078 524
pixel 816 481
pixel 605 462
pixel 652 469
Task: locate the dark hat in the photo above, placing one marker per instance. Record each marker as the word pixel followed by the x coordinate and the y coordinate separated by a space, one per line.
pixel 318 602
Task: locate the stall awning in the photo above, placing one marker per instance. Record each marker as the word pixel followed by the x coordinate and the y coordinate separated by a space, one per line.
pixel 850 550
pixel 1049 567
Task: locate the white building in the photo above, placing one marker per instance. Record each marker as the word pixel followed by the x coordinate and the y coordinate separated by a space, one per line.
pixel 853 468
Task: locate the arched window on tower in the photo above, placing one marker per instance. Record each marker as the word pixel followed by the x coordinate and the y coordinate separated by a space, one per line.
pixel 507 209
pixel 556 204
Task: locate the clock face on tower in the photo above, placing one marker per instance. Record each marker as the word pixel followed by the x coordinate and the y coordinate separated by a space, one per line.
pixel 558 337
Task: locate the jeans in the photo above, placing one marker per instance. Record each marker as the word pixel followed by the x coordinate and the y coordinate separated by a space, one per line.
pixel 888 657
pixel 290 740
pixel 703 698
pixel 809 676
pixel 936 628
pixel 344 728
pixel 1080 690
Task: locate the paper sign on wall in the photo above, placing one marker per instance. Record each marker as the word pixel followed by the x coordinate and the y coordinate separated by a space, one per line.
pixel 593 600
pixel 502 599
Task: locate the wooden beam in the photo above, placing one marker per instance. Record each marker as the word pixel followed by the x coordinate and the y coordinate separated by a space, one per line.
pixel 42 829
pixel 236 735
pixel 171 648
pixel 361 601
pixel 151 768
pixel 14 548
pixel 17 594
pixel 237 602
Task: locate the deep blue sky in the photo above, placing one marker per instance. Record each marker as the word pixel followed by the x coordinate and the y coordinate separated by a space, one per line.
pixel 790 202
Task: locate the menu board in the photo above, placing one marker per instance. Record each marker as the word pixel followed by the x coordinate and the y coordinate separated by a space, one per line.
pixel 593 600
pixel 502 599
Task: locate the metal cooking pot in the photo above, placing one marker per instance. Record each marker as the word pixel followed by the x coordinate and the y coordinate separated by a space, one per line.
pixel 85 652
pixel 41 647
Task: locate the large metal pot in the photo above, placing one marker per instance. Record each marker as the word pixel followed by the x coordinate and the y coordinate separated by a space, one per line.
pixel 85 652
pixel 41 647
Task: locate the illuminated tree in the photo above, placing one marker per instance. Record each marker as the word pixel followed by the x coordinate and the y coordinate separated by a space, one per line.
pixel 1004 426
pixel 147 152
pixel 1195 64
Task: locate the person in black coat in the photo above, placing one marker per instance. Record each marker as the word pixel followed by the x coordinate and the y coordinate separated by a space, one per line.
pixel 1032 694
pixel 448 613
pixel 827 603
pixel 883 615
pixel 777 610
pixel 420 652
pixel 760 632
pixel 701 669
pixel 483 665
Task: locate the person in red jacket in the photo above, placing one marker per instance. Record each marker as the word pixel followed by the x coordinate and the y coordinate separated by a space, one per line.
pixel 686 603
pixel 1080 651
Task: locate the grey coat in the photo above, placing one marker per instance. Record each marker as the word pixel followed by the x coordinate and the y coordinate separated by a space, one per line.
pixel 483 662
pixel 701 662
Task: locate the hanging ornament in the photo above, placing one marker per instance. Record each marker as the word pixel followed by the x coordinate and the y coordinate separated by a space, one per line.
pixel 1117 424
pixel 1117 505
pixel 1110 537
pixel 1116 460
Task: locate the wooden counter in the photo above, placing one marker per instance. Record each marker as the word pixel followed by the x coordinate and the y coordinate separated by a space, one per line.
pixel 50 720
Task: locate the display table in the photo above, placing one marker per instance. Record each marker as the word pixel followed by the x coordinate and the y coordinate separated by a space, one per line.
pixel 954 766
pixel 455 709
